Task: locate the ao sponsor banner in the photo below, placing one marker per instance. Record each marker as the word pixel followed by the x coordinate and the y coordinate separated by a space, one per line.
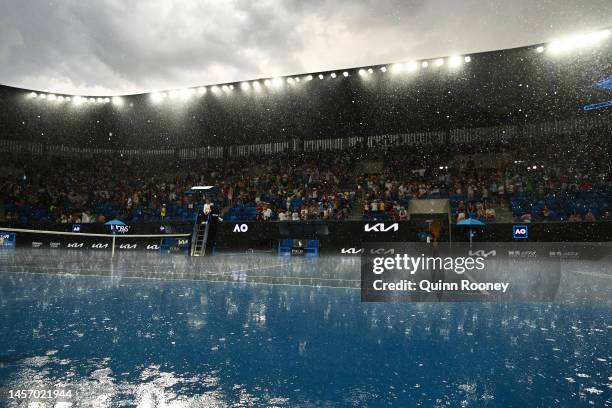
pixel 488 272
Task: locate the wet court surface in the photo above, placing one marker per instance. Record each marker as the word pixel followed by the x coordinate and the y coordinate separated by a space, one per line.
pixel 261 330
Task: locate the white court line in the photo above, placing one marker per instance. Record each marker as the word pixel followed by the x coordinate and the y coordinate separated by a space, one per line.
pixel 182 279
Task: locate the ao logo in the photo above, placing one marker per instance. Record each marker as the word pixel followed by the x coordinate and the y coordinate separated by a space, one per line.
pixel 520 232
pixel 380 227
pixel 241 228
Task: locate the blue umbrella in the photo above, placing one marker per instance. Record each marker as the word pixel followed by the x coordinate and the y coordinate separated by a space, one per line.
pixel 115 222
pixel 471 222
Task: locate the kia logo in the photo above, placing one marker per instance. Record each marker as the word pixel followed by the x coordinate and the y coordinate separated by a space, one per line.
pixel 99 246
pixel 152 246
pixel 482 253
pixel 75 245
pixel 128 246
pixel 380 227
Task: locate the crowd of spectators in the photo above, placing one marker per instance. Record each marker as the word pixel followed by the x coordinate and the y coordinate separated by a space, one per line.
pixel 555 178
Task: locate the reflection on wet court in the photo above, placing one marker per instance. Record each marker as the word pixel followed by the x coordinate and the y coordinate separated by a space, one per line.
pixel 262 330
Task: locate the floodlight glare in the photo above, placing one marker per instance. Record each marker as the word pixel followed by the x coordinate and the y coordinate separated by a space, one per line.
pixel 68 98
pixel 100 100
pixel 92 100
pixel 202 90
pixel 77 100
pixel 231 87
pixel 256 85
pixel 268 83
pixel 60 98
pixel 51 97
pixel 439 62
pixel 277 82
pixel 158 96
pixel 224 88
pixel 173 94
pixel 333 75
pixel 106 100
pixel 43 96
pixel 397 67
pixel 117 101
pixel 370 71
pixel 309 78
pixel 345 74
pixel 383 69
pixel 467 59
pixel 245 86
pixel 362 72
pixel 32 95
pixel 454 61
pixel 290 80
pixel 321 76
pixel 425 64
pixel 215 89
pixel 540 49
pixel 297 79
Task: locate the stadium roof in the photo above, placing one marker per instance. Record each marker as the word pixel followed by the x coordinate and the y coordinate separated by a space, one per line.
pixel 513 86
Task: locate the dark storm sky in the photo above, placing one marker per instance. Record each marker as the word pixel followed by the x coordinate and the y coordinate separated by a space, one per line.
pixel 128 46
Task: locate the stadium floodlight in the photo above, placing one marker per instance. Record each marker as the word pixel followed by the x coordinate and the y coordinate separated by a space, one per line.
pixel 158 96
pixel 289 80
pixel 439 62
pixel 231 87
pixel 215 89
pixel 68 98
pixel 92 100
pixel 412 66
pixel 117 100
pixel 333 75
pixel 173 94
pixel 32 95
pixel 51 97
pixel 77 100
pixel 186 93
pixel 397 67
pixel 42 96
pixel 297 79
pixel 540 49
pixel 245 86
pixel 578 41
pixel 383 69
pixel 256 85
pixel 370 71
pixel 225 88
pixel 454 61
pixel 60 98
pixel 107 100
pixel 277 82
pixel 425 64
pixel 268 83
pixel 309 78
pixel 100 100
pixel 321 76
pixel 202 90
pixel 345 74
pixel 467 59
pixel 362 72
